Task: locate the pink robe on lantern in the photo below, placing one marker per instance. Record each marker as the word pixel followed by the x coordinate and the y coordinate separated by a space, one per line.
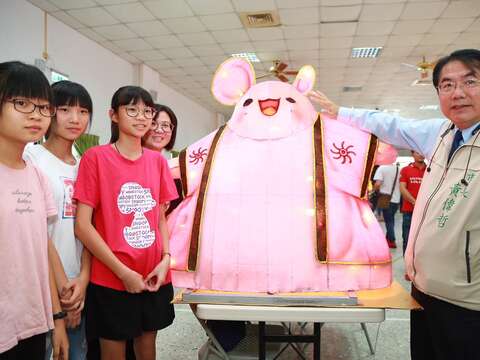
pixel 276 200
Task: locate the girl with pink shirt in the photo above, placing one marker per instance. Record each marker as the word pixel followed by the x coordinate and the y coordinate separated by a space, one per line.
pixel 120 190
pixel 29 304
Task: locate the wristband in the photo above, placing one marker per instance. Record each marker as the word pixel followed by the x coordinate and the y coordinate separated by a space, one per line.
pixel 59 315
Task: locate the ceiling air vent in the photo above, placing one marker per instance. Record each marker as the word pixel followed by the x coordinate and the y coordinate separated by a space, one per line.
pixel 260 19
pixel 352 88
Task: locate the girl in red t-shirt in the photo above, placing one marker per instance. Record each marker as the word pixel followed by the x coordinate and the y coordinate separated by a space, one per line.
pixel 120 190
pixel 160 137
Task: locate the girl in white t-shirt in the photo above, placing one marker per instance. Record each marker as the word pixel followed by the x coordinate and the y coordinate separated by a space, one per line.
pixel 73 115
pixel 29 304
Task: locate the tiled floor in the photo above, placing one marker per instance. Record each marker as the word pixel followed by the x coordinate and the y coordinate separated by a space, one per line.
pixel 182 340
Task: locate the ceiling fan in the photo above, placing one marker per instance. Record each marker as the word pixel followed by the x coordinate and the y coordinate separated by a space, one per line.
pixel 423 67
pixel 278 70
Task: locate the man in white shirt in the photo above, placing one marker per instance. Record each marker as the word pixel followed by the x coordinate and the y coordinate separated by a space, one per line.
pixel 387 182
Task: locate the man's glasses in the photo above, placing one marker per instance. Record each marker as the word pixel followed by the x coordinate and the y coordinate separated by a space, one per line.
pixel 447 87
pixel 133 111
pixel 27 107
pixel 162 126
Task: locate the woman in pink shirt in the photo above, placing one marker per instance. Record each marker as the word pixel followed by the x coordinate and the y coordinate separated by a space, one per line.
pixel 120 188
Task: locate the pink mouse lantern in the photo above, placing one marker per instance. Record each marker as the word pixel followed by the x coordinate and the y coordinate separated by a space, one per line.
pixel 275 200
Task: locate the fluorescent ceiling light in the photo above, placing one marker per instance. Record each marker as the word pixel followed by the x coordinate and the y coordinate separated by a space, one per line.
pixel 247 55
pixel 422 82
pixel 428 107
pixel 366 52
pixel 57 76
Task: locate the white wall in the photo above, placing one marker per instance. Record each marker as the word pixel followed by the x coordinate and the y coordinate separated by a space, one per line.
pixel 98 69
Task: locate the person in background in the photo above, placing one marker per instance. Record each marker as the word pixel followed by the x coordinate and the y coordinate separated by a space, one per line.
pixel 29 303
pixel 443 251
pixel 386 182
pixel 162 138
pixel 163 133
pixel 410 181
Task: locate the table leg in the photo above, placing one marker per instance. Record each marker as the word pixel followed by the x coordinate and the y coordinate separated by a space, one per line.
pixel 364 328
pixel 261 340
pixel 316 344
pixel 213 344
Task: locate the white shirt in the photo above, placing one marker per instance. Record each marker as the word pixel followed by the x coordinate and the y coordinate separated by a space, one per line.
pixel 62 178
pixel 386 174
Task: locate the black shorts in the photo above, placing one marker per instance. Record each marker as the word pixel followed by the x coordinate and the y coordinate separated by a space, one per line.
pixel 31 348
pixel 119 315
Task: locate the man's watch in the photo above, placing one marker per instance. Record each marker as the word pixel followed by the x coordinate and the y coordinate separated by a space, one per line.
pixel 59 315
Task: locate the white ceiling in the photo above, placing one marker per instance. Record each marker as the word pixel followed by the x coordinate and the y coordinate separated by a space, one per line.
pixel 185 40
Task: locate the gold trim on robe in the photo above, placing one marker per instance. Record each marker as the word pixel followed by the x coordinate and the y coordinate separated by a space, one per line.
pixel 197 219
pixel 321 247
pixel 369 163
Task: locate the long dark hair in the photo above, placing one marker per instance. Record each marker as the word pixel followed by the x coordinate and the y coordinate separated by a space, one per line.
pixel 21 80
pixel 173 118
pixel 69 93
pixel 124 96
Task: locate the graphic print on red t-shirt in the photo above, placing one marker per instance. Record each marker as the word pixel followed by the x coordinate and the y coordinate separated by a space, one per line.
pixel 133 198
